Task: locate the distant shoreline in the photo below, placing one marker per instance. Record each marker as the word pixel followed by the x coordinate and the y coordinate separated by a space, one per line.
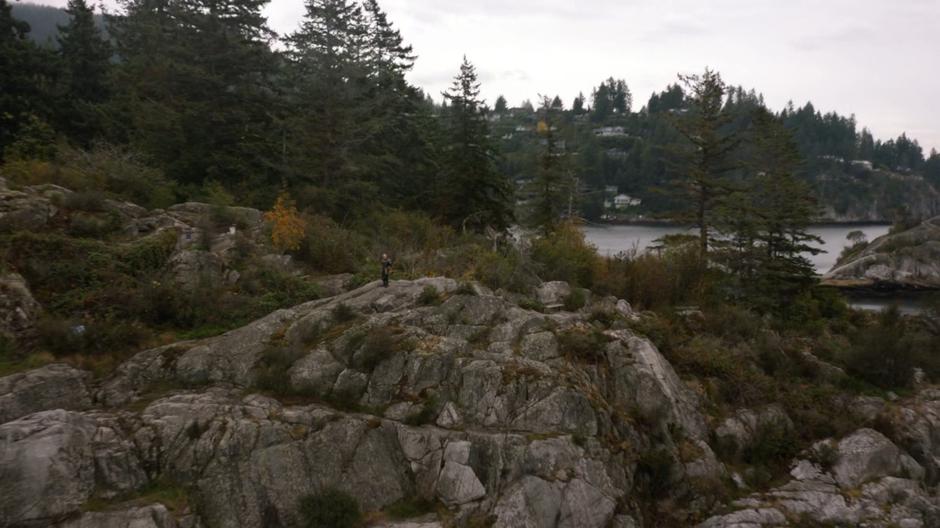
pixel 667 223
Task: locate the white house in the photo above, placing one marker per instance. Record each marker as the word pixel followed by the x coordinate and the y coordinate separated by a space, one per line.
pixel 614 131
pixel 862 164
pixel 622 201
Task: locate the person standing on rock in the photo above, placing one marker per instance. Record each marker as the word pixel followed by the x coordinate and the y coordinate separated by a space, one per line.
pixel 386 269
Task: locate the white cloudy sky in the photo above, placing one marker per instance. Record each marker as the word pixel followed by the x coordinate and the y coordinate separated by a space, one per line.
pixel 877 59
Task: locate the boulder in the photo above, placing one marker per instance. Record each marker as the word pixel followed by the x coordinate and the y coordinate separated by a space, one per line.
pixel 19 311
pixel 739 431
pixel 553 293
pixel 56 386
pixel 867 454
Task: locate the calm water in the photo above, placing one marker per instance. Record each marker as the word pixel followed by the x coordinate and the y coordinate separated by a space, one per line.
pixel 611 240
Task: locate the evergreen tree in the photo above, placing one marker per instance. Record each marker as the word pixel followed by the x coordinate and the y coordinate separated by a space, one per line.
pixel 86 62
pixel 552 186
pixel 782 208
pixel 328 81
pixel 602 105
pixel 707 157
pixel 475 195
pixel 577 107
pixel 500 106
pixel 866 145
pixel 621 98
pixel 195 85
pixel 672 98
pixel 932 167
pixel 25 78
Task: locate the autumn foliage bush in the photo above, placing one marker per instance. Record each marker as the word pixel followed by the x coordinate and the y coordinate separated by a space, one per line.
pixel 287 226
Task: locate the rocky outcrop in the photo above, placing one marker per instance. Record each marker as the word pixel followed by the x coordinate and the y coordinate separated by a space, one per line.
pixel 30 208
pixel 869 481
pixel 740 431
pixel 906 260
pixel 19 311
pixel 54 386
pixel 473 403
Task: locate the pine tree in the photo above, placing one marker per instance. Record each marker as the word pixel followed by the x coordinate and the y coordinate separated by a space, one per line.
pixel 86 62
pixel 387 49
pixel 708 156
pixel 475 195
pixel 769 226
pixel 195 89
pixel 552 186
pixel 328 79
pixel 577 107
pixel 501 106
pixel 25 78
pixel 602 105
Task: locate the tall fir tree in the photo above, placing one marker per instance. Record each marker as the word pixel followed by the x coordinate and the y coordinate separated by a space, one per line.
pixel 475 196
pixel 327 80
pixel 552 188
pixel 85 57
pixel 500 107
pixel 577 106
pixel 196 94
pixel 768 221
pixel 706 158
pixel 27 74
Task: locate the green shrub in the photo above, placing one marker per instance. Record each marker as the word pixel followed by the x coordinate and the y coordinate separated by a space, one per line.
pixel 342 313
pixel 425 415
pixel 737 379
pixel 884 354
pixel 575 300
pixel 506 270
pixel 410 507
pixel 773 445
pixel 331 248
pixel 271 370
pixel 655 281
pixel 104 169
pixel 566 255
pixel 587 345
pixel 429 296
pixel 63 337
pixel 87 201
pixel 93 226
pixel 378 344
pixel 330 508
pixel 654 472
pixel 7 348
pixel 825 454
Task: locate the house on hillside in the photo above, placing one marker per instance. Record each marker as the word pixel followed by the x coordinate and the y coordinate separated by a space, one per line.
pixel 612 131
pixel 617 202
pixel 622 201
pixel 862 164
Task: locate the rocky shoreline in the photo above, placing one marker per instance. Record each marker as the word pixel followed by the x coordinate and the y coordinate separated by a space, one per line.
pixel 904 261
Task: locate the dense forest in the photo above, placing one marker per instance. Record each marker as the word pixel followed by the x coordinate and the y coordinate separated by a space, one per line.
pixel 209 96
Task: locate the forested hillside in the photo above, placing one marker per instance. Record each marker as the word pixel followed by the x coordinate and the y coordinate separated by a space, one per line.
pixel 213 97
pixel 617 145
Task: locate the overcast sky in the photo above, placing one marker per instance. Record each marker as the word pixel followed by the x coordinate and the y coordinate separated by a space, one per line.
pixel 877 59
